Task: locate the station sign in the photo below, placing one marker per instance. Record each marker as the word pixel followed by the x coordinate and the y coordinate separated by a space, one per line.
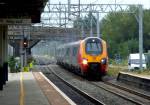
pixel 19 30
pixel 18 27
pixel 15 33
pixel 15 21
pixel 12 37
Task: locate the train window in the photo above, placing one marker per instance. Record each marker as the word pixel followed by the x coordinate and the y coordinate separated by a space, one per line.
pixel 75 51
pixel 93 48
pixel 67 52
pixel 61 52
pixel 58 52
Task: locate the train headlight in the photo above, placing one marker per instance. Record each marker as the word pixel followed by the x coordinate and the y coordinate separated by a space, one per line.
pixel 104 61
pixel 84 61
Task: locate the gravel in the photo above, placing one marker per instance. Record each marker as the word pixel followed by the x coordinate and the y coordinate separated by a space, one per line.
pixel 100 94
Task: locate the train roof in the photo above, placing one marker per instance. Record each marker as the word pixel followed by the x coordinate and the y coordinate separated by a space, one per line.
pixel 69 44
pixel 76 42
pixel 91 37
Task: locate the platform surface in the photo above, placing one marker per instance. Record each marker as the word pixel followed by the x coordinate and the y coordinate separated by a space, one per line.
pixel 30 95
pixel 24 89
pixel 137 75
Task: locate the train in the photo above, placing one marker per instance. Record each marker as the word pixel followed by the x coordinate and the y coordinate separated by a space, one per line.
pixel 87 57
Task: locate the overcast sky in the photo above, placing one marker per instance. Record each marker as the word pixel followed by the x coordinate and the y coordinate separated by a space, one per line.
pixel 146 3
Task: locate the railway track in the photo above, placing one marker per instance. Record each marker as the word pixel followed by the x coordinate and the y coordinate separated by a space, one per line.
pixel 87 99
pixel 125 93
pixel 137 98
pixel 146 96
pixel 133 96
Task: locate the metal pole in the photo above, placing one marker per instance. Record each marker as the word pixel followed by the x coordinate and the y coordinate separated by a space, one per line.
pixel 25 57
pixel 65 17
pixel 115 5
pixel 140 34
pixel 59 14
pixel 91 31
pixel 1 57
pixel 98 26
pixel 69 2
pixel 21 54
pixel 91 23
pixel 79 9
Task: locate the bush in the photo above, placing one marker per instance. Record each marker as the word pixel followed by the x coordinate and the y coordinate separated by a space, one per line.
pixel 13 64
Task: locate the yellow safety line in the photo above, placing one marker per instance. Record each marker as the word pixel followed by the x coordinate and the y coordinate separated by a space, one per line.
pixel 21 90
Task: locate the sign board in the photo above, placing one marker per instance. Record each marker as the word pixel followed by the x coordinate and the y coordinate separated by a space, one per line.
pixel 15 33
pixel 12 37
pixel 18 27
pixel 19 30
pixel 15 21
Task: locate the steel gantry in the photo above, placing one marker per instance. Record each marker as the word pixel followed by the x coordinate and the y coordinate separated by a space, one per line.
pixel 62 14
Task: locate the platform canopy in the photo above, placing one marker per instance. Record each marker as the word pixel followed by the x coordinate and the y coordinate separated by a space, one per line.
pixel 22 9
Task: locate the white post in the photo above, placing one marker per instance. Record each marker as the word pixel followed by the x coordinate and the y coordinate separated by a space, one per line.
pixel 141 34
pixel 91 31
pixel 98 26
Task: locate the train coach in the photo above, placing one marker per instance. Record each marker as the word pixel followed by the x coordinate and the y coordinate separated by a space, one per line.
pixel 87 56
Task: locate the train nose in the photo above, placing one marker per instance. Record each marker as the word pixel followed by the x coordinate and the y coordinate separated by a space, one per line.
pixel 94 66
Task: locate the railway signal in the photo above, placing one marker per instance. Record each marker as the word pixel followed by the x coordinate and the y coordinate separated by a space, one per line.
pixel 25 42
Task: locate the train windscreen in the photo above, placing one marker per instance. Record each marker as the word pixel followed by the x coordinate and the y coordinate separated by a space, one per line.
pixel 93 47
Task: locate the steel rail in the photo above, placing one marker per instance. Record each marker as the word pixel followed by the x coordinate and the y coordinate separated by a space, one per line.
pixel 129 90
pixel 120 95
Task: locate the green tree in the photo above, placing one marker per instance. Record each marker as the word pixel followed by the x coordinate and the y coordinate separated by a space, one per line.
pixel 121 33
pixel 146 30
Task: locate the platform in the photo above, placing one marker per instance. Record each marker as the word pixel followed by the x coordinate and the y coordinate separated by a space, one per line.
pixel 25 88
pixel 136 80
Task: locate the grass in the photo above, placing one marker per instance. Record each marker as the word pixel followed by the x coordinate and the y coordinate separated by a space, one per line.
pixel 114 70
